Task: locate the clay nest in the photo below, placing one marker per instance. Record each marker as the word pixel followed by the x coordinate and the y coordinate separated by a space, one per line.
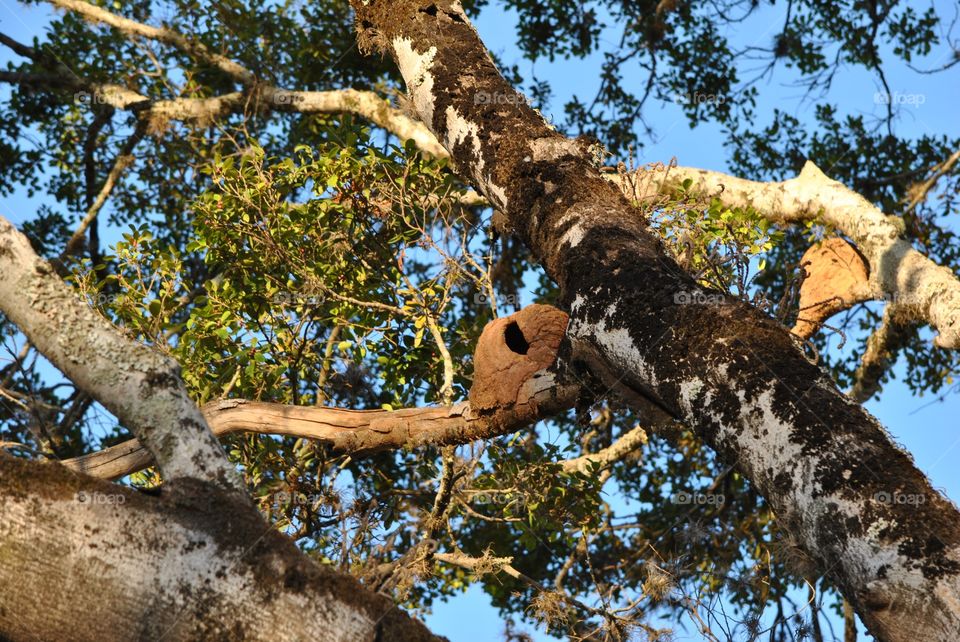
pixel 510 350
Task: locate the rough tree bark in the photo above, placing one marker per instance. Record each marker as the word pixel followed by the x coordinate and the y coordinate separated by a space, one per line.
pixel 827 467
pixel 84 559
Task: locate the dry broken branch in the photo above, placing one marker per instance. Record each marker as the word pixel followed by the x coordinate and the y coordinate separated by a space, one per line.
pixel 506 404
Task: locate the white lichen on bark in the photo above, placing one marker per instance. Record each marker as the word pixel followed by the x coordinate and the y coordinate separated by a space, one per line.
pixel 139 385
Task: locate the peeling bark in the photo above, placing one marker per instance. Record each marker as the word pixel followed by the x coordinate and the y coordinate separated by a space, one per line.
pixel 827 467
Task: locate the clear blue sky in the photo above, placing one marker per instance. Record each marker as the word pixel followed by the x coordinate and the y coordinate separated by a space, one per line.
pixel 929 432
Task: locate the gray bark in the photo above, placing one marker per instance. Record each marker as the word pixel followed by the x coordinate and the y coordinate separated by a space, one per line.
pixel 86 560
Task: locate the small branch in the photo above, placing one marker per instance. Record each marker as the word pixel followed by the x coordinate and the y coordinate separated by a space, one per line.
pixel 919 192
pixel 123 160
pixel 849 622
pixel 441 503
pixel 446 390
pixel 881 351
pixel 197 50
pixel 18 47
pixel 327 361
pixel 626 444
pixel 489 564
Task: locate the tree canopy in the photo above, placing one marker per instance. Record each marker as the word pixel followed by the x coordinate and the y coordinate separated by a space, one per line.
pixel 284 227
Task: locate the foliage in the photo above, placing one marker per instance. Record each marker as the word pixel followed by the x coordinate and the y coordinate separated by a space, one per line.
pixel 307 259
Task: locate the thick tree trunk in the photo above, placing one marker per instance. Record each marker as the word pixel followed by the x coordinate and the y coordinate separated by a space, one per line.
pixel 84 559
pixel 854 501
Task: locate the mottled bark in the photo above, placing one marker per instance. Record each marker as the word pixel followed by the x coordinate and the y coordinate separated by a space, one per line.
pixel 139 385
pixel 852 499
pixel 86 560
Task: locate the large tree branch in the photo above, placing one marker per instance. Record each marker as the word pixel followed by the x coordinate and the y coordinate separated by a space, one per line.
pixel 136 383
pixel 898 272
pixel 734 375
pixel 354 432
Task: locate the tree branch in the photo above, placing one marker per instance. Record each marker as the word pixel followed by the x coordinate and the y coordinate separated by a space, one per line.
pixel 136 383
pixel 882 348
pixel 531 395
pixel 197 50
pixel 898 272
pixel 123 160
pixel 629 442
pixel 918 193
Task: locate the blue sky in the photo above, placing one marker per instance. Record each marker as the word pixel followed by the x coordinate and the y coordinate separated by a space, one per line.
pixel 927 430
